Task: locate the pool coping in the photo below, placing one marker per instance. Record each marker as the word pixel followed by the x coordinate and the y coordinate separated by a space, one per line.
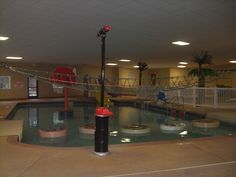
pixel 160 108
pixel 16 104
pixel 14 140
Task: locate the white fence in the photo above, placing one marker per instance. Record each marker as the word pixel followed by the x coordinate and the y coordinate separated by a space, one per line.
pixel 198 96
pixel 147 92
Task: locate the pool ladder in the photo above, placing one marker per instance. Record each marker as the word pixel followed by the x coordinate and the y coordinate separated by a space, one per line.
pixel 176 102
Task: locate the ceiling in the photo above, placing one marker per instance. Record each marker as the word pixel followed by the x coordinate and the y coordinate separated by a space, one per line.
pixel 64 32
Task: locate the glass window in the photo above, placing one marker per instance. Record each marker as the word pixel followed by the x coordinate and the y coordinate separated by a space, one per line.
pixel 32 87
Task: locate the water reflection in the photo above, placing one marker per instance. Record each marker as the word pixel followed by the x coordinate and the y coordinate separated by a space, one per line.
pixel 33 117
pixel 48 118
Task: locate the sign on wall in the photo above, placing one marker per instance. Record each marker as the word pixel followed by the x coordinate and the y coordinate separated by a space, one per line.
pixel 19 84
pixel 5 82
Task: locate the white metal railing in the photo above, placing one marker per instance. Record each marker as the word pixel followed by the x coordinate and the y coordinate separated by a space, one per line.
pixel 206 97
pixel 194 96
pixel 147 92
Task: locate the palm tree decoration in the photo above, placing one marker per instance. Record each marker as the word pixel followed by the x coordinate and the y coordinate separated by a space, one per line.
pixel 141 66
pixel 202 58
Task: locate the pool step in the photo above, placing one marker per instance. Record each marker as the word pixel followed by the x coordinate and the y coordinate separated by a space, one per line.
pixel 11 127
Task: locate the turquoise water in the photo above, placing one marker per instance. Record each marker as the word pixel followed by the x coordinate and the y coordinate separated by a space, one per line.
pixel 46 116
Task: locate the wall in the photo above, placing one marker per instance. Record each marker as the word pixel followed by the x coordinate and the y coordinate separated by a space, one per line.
pixel 178 76
pixel 18 86
pixel 162 76
pixel 111 73
pixel 131 74
pixel 224 79
pixel 228 79
pixel 19 83
pixel 178 72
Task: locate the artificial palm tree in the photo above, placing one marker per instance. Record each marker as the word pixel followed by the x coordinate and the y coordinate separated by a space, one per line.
pixel 141 66
pixel 202 58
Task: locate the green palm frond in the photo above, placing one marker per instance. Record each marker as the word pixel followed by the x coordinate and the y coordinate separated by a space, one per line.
pixel 193 72
pixel 202 58
pixel 209 72
pixel 205 71
pixel 142 66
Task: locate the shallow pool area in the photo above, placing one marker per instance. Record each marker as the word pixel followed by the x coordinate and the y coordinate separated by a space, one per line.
pixel 51 117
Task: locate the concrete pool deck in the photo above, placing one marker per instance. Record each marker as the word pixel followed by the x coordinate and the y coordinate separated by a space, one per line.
pixel 205 157
pixel 11 127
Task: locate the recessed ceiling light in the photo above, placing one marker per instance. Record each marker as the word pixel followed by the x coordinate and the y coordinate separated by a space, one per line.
pixel 181 43
pixel 183 63
pixel 136 66
pixel 14 58
pixel 3 38
pixel 111 64
pixel 124 60
pixel 232 61
pixel 181 66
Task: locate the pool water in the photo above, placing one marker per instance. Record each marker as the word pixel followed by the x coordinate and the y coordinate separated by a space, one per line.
pixel 48 116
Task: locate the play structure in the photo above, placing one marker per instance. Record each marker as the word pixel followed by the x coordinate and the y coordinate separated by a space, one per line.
pixel 87 129
pixel 171 127
pixel 57 133
pixel 135 129
pixel 206 123
pixel 63 76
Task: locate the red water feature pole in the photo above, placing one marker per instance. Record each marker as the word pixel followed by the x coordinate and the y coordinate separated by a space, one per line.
pixel 64 76
pixel 65 99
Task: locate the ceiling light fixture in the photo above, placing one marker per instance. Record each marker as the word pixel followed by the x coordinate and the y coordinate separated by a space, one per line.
pixel 181 43
pixel 136 66
pixel 3 38
pixel 111 64
pixel 124 60
pixel 14 58
pixel 181 66
pixel 183 63
pixel 232 61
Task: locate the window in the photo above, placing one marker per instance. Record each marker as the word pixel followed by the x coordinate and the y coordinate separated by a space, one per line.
pixel 32 88
pixel 5 82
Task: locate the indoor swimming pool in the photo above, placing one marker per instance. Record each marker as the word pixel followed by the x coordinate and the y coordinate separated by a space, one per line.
pixel 127 125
